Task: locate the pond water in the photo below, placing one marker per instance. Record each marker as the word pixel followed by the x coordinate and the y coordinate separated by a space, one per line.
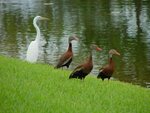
pixel 123 25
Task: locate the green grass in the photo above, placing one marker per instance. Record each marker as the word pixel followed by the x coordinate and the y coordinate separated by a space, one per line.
pixel 39 88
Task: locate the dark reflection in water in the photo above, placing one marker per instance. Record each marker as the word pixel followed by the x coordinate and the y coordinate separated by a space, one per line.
pixel 123 25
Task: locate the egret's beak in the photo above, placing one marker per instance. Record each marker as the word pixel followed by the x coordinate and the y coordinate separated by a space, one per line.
pixel 44 18
pixel 98 49
pixel 76 38
pixel 117 53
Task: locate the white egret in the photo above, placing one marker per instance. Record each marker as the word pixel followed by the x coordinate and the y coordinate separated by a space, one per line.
pixel 33 49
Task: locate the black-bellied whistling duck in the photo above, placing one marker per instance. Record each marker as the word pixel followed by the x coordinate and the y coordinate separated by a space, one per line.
pixel 84 69
pixel 66 58
pixel 107 71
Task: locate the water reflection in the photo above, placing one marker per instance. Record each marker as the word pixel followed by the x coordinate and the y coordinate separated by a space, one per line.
pixel 123 25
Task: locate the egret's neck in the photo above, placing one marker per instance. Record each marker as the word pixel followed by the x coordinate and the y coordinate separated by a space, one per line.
pixel 90 57
pixel 37 31
pixel 110 59
pixel 110 55
pixel 70 46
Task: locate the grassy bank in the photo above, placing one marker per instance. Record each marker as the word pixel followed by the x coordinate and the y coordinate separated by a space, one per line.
pixel 38 88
